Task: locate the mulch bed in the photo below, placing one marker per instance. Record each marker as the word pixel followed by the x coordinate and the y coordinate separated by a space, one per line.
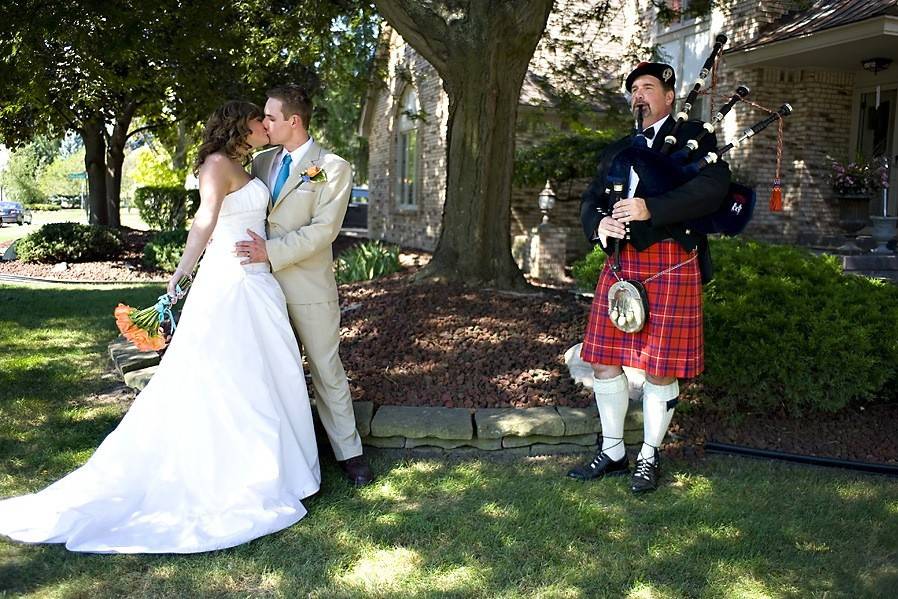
pixel 440 345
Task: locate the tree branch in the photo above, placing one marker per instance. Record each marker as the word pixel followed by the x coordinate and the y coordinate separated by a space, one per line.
pixel 144 128
pixel 424 25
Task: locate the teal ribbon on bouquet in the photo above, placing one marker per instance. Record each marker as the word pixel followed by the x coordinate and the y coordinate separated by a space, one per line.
pixel 163 307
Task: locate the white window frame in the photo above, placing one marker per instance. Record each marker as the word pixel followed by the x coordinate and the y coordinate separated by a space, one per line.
pixel 406 181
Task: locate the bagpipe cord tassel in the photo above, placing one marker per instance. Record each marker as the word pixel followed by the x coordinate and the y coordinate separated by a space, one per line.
pixel 776 193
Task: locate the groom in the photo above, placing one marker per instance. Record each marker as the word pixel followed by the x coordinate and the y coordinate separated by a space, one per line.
pixel 309 193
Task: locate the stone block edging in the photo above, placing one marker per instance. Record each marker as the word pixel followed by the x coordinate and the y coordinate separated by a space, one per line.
pixel 518 431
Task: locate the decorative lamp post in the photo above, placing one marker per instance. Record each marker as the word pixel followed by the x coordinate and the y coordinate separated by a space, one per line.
pixel 546 201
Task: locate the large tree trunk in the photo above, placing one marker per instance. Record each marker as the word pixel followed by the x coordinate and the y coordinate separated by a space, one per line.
pixel 115 159
pixel 481 49
pixel 94 138
pixel 475 241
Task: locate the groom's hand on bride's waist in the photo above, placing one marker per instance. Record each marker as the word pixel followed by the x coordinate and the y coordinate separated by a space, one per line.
pixel 251 251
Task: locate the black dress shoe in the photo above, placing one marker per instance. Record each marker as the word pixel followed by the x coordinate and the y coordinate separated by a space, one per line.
pixel 645 475
pixel 600 466
pixel 357 470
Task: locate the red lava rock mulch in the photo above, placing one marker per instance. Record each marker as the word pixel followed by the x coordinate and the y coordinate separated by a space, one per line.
pixel 439 345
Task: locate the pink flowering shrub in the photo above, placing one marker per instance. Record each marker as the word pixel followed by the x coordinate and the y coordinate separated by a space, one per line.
pixel 858 177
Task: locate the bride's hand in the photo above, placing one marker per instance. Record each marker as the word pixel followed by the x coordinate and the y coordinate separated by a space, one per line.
pixel 173 286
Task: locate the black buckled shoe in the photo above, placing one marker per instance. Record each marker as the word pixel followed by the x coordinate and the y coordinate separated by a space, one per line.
pixel 645 475
pixel 600 466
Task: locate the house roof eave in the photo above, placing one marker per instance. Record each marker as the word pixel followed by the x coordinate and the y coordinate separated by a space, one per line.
pixel 836 48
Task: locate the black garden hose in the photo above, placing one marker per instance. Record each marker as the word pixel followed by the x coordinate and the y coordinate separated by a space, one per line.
pixel 726 448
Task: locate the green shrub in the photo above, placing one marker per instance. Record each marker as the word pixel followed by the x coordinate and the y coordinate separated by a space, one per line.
pixel 562 157
pixel 366 261
pixel 165 250
pixel 70 242
pixel 44 207
pixel 166 208
pixel 586 270
pixel 786 331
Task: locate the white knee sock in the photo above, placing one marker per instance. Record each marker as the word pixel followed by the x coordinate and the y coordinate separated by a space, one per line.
pixel 612 399
pixel 656 415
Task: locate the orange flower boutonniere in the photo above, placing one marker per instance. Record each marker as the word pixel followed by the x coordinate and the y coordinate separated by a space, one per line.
pixel 314 174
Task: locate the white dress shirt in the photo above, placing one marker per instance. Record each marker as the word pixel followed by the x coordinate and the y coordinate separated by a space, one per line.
pixel 297 155
pixel 634 178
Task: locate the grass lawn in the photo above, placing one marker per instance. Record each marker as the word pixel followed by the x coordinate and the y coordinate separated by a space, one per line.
pixel 76 215
pixel 439 528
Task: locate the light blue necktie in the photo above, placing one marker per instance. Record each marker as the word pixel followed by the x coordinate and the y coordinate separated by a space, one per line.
pixel 283 174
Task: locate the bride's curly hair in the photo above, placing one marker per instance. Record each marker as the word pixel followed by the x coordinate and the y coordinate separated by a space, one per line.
pixel 227 130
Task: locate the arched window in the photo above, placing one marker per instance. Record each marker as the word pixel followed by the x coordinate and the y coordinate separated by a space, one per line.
pixel 407 148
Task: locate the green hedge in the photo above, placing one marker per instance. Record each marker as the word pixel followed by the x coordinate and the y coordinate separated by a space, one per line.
pixel 164 251
pixel 69 242
pixel 44 207
pixel 586 270
pixel 166 208
pixel 365 261
pixel 787 331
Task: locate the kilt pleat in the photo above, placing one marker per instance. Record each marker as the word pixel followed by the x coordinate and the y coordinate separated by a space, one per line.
pixel 672 341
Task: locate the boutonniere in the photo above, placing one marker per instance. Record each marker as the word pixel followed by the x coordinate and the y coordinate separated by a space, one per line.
pixel 314 174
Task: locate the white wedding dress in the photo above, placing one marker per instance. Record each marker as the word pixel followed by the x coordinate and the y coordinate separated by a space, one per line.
pixel 219 448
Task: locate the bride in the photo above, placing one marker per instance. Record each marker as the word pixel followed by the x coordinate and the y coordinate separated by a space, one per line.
pixel 219 448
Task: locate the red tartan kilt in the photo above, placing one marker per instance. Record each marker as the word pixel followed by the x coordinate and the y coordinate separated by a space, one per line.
pixel 671 343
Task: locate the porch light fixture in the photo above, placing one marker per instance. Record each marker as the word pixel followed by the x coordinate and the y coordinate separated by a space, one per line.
pixel 875 65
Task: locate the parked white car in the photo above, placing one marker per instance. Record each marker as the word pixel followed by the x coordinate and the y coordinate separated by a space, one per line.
pixel 14 212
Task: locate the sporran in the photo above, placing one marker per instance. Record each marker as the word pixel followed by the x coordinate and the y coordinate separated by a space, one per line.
pixel 628 305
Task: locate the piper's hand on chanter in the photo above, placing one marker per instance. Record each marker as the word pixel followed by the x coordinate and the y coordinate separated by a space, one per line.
pixel 631 209
pixel 610 227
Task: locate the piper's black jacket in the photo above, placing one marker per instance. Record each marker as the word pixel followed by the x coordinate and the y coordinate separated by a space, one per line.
pixel 697 197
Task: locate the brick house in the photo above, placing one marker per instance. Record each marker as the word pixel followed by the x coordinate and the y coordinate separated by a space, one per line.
pixel 810 54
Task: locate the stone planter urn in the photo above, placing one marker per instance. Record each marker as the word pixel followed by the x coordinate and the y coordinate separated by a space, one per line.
pixel 854 215
pixel 883 232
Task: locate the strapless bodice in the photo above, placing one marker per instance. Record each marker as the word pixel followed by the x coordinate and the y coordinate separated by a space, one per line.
pixel 242 209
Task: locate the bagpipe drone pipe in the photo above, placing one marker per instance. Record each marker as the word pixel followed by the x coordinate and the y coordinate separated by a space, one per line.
pixel 661 171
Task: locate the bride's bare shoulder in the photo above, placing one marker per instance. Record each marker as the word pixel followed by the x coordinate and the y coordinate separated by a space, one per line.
pixel 223 170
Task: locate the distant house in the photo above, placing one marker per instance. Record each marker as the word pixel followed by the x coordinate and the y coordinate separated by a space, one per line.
pixel 814 58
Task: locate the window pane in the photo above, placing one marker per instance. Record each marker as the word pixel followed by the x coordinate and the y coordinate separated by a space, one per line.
pixel 410 162
pixel 400 167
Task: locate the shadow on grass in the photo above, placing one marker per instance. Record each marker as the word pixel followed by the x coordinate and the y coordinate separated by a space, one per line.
pixel 431 528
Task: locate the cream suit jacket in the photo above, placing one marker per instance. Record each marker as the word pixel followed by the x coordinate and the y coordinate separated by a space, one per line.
pixel 303 223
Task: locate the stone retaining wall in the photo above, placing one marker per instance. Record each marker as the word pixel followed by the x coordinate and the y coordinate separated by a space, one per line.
pixel 519 431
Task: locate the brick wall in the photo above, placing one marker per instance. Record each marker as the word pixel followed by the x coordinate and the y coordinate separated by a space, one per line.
pixel 819 127
pixel 416 226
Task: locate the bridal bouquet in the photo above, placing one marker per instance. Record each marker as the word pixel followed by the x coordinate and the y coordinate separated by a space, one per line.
pixel 145 328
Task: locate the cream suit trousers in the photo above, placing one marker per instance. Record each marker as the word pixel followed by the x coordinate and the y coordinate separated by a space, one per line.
pixel 318 328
